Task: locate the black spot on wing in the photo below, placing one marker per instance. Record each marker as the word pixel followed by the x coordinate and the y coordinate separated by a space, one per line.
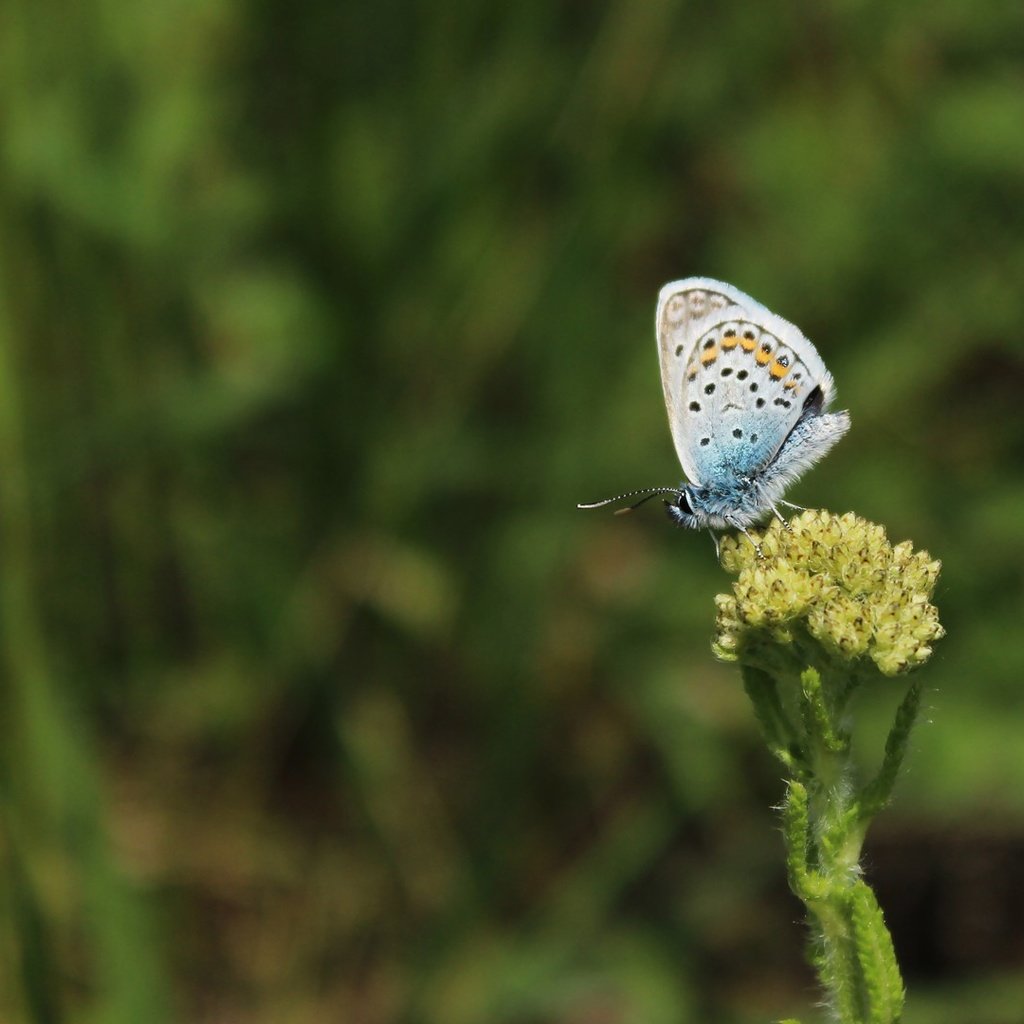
pixel 814 401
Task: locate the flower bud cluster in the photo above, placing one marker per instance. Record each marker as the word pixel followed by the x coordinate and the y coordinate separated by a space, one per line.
pixel 836 579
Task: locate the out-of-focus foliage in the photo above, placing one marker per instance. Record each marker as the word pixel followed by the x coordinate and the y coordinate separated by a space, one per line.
pixel 320 701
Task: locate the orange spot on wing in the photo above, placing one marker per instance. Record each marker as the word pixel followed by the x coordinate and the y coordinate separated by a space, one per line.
pixel 789 385
pixel 763 358
pixel 709 355
pixel 729 342
pixel 778 370
pixel 748 344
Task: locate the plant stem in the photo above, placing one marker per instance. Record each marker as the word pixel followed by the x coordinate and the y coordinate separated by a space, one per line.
pixel 825 817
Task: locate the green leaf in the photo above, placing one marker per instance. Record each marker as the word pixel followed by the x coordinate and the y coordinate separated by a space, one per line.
pixel 876 793
pixel 883 986
pixel 779 733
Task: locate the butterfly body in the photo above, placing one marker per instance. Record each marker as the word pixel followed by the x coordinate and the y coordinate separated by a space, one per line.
pixel 747 397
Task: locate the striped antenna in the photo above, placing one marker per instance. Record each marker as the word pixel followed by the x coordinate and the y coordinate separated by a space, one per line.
pixel 647 492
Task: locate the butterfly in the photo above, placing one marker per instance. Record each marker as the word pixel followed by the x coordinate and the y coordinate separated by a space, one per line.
pixel 747 397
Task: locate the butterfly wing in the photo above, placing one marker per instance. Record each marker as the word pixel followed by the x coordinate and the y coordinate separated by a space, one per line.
pixel 736 378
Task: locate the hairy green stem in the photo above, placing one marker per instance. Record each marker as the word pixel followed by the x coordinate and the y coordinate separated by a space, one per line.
pixel 824 821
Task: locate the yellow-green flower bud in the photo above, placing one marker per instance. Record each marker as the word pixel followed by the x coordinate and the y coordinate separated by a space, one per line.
pixel 831 579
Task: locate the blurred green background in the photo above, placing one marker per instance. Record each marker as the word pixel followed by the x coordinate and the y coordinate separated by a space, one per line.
pixel 320 701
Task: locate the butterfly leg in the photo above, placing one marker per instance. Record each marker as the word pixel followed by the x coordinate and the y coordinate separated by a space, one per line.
pixel 718 546
pixel 789 504
pixel 778 515
pixel 742 529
